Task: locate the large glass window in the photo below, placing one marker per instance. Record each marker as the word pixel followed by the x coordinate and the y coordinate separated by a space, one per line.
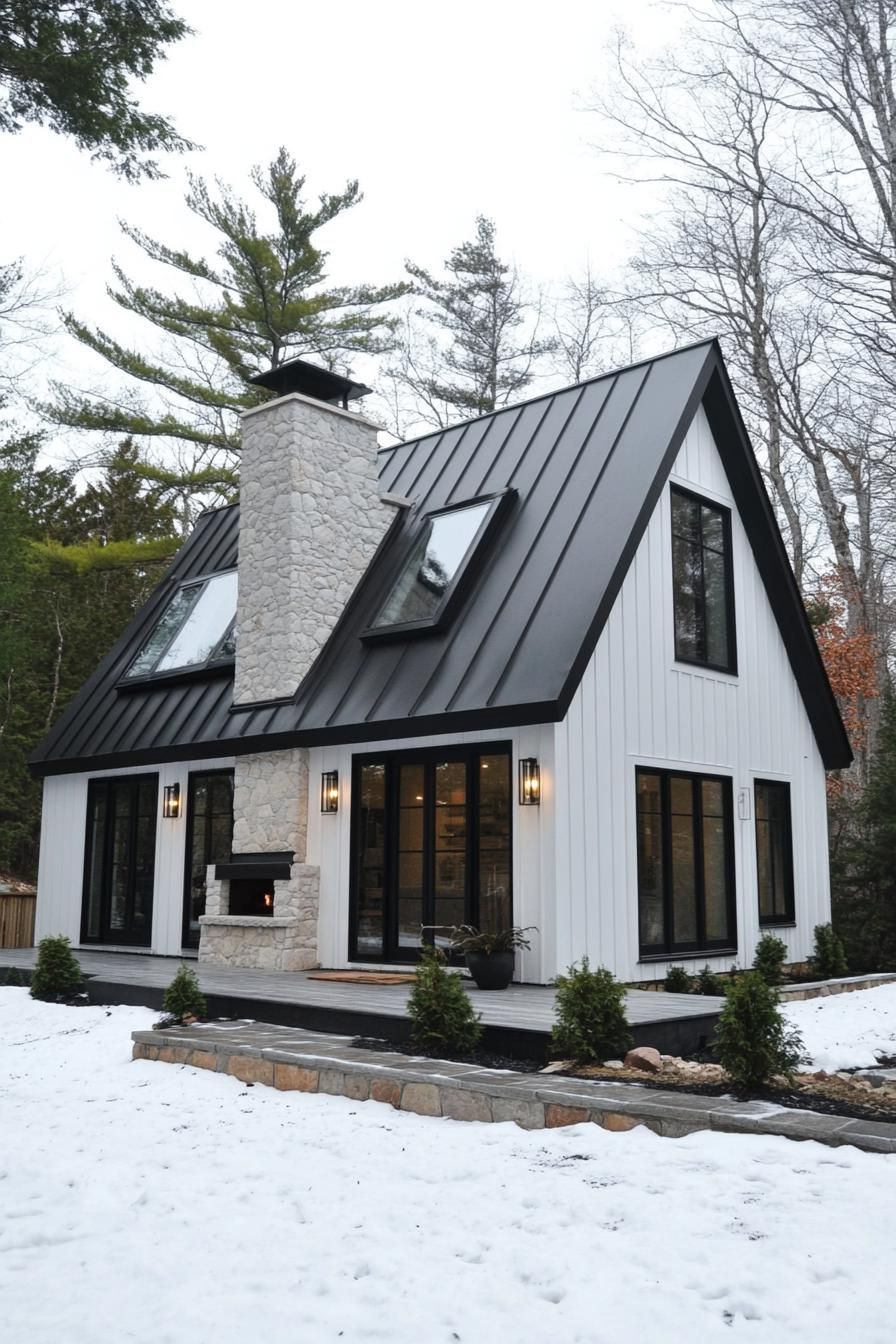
pixel 195 628
pixel 209 840
pixel 431 849
pixel 446 541
pixel 685 863
pixel 703 596
pixel 774 852
pixel 119 870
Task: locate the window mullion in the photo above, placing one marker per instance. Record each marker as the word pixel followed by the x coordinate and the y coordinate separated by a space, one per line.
pixel 699 862
pixel 666 830
pixel 704 623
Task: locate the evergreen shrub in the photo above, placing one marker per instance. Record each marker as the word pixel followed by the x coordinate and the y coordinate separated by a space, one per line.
pixel 677 981
pixel 771 954
pixel 828 959
pixel 710 983
pixel 57 974
pixel 442 1017
pixel 753 1042
pixel 183 997
pixel 591 1025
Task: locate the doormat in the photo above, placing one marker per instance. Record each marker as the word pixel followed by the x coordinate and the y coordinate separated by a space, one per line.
pixel 365 977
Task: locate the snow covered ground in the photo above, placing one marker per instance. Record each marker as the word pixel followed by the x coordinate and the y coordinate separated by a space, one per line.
pixel 147 1203
pixel 847 1031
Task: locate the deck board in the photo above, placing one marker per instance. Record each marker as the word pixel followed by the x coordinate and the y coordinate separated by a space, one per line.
pixel 521 1007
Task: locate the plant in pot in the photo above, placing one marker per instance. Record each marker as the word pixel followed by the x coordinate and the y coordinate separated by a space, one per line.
pixel 489 956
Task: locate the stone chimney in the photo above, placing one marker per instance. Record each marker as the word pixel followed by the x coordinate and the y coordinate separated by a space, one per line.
pixel 311 519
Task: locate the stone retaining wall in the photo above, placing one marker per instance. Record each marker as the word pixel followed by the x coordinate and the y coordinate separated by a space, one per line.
pixel 294 1060
pixel 814 989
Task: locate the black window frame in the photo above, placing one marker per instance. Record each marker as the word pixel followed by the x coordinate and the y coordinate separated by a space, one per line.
pixel 190 670
pixel 702 946
pixel 105 782
pixel 789 915
pixel 499 505
pixel 188 939
pixel 730 667
pixel 422 756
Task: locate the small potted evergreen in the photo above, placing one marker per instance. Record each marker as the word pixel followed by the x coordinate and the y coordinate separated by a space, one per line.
pixel 489 957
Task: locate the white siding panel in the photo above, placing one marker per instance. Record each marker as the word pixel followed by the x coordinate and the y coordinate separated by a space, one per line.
pixel 62 844
pixel 635 705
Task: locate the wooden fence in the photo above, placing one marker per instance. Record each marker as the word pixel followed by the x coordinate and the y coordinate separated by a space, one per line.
pixel 17 920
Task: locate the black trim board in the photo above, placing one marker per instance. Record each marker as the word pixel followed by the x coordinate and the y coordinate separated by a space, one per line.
pixel 760 524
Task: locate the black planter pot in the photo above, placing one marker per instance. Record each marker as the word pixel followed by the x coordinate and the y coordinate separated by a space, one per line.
pixel 493 971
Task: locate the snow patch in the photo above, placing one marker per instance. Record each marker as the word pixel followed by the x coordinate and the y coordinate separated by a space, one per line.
pixel 165 1205
pixel 847 1031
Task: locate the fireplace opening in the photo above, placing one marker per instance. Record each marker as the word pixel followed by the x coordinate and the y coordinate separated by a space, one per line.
pixel 251 896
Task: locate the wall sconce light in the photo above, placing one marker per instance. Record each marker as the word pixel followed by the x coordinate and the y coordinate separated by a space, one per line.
pixel 329 791
pixel 171 801
pixel 530 781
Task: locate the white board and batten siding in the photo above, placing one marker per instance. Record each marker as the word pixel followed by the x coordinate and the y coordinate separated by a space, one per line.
pixel 62 845
pixel 637 706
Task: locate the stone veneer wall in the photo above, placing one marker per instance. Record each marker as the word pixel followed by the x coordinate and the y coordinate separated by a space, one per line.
pixel 270 808
pixel 311 519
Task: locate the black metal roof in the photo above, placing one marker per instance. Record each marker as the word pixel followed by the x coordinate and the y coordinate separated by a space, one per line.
pixel 587 465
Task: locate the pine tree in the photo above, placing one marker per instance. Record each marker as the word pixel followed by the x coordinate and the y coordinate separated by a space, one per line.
pixel 474 341
pixel 262 300
pixel 441 1013
pixel 753 1042
pixel 591 1025
pixel 72 66
pixel 57 974
pixel 183 997
pixel 73 570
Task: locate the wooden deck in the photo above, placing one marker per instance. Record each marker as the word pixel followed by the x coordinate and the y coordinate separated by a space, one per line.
pixel 294 998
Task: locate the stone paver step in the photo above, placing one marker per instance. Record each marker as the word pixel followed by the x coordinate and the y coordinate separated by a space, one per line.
pixel 292 1059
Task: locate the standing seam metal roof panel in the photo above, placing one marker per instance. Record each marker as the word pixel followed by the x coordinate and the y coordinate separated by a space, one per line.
pixel 587 464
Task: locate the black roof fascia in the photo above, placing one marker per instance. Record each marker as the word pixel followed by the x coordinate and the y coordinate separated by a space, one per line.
pixel 773 563
pixel 485 720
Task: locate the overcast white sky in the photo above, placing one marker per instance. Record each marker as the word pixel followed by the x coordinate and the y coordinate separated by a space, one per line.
pixel 441 112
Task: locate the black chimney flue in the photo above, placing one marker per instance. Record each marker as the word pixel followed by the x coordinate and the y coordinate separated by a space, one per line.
pixel 310 380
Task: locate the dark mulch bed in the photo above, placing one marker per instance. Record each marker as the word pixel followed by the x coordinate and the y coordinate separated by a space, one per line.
pixel 483 1059
pixel 800 1099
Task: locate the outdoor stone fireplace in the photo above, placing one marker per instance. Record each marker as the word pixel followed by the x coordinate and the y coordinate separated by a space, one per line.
pixel 261 907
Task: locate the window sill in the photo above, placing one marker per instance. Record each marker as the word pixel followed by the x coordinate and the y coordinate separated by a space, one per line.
pixel 686 665
pixel 221 668
pixel 649 957
pixel 783 923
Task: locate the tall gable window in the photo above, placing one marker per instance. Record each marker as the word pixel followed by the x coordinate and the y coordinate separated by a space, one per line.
pixel 194 630
pixel 437 565
pixel 774 852
pixel 685 863
pixel 703 590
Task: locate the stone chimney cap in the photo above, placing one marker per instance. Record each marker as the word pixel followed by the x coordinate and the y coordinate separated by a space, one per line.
pixel 297 375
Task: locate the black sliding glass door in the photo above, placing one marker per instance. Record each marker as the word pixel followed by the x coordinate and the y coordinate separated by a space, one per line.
pixel 209 839
pixel 119 869
pixel 431 847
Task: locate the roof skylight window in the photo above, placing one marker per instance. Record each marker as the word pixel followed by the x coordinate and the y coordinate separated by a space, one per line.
pixel 437 563
pixel 196 628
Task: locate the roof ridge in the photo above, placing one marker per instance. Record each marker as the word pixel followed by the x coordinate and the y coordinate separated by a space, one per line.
pixel 542 396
